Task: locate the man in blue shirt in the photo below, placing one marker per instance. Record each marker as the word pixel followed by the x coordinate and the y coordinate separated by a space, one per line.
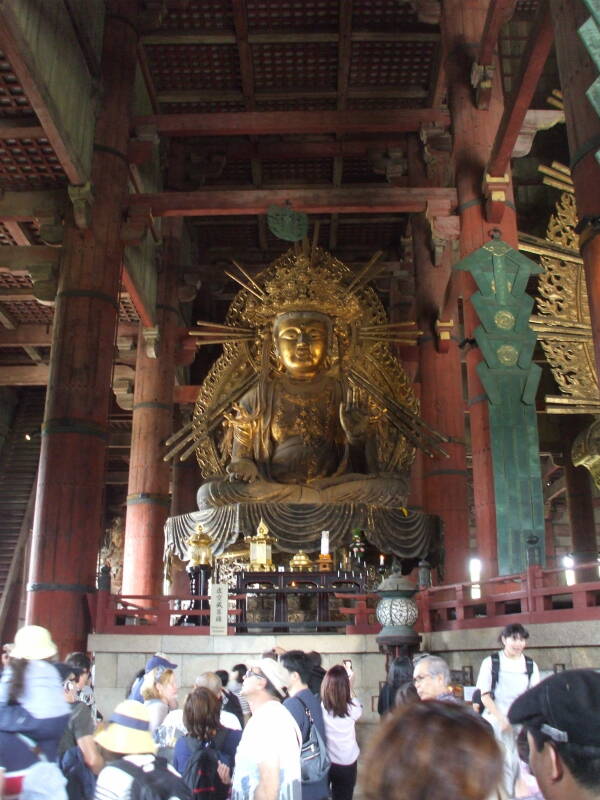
pixel 300 665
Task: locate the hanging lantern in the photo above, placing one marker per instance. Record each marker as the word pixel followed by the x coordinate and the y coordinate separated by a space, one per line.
pixel 261 549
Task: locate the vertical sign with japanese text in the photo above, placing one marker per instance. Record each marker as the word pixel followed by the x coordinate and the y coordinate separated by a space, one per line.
pixel 219 597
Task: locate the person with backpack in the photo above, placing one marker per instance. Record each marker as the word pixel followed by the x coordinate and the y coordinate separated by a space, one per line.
pixel 205 757
pixel 133 771
pixel 305 708
pixel 503 677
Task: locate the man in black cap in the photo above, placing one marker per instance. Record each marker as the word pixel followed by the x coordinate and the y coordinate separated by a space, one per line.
pixel 562 718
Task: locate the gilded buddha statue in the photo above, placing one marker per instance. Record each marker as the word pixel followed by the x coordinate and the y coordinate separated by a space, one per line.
pixel 307 420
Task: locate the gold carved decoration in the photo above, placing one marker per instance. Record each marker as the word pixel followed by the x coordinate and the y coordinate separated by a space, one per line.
pixel 563 325
pixel 359 353
pixel 563 321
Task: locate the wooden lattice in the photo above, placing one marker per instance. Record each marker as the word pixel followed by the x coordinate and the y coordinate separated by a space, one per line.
pixel 13 101
pixel 305 65
pixel 29 312
pixel 29 163
pixel 195 66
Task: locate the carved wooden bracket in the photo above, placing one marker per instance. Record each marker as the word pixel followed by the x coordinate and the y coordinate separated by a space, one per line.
pixel 137 224
pixel 482 76
pixel 82 199
pixel 123 385
pixel 45 282
pixel 443 334
pixel 494 190
pixel 442 230
pixel 152 341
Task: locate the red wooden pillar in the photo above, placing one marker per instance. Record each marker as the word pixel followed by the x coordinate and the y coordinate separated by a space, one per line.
pixel 474 132
pixel 442 406
pixel 69 505
pixel 148 499
pixel 577 73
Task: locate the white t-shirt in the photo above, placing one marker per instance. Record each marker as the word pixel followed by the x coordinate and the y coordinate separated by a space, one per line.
pixel 115 784
pixel 512 680
pixel 270 733
pixel 174 719
pixel 342 746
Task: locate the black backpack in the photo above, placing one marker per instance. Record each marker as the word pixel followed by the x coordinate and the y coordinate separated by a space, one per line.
pixel 496 671
pixel 158 783
pixel 200 773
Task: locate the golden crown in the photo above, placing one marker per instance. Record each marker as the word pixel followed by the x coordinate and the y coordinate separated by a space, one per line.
pixel 300 284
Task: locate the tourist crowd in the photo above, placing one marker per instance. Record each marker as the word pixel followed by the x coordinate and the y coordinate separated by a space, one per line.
pixel 284 728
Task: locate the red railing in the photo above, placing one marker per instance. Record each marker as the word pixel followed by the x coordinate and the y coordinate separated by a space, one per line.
pixel 535 596
pixel 162 614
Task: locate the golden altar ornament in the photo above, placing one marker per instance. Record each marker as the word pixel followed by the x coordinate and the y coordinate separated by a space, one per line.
pixel 301 562
pixel 261 549
pixel 199 552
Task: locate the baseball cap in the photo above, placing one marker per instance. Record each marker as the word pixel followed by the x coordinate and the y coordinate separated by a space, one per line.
pixel 159 660
pixel 564 707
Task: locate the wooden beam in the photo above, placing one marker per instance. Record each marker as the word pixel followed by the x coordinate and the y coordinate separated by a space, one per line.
pixel 16 294
pixel 18 259
pixel 240 150
pixel 240 22
pixel 284 37
pixel 26 336
pixel 344 53
pixel 28 206
pixel 361 200
pixel 533 60
pixel 234 96
pixel 499 12
pixel 21 128
pixel 34 375
pixel 16 233
pixel 263 123
pixel 17 51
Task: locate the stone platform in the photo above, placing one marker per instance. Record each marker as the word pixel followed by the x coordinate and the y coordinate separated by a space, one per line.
pixel 119 656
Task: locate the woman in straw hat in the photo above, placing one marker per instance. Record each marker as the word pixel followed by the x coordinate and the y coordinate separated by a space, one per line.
pixel 33 710
pixel 129 751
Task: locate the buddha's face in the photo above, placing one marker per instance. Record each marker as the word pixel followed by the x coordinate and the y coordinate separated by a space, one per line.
pixel 302 339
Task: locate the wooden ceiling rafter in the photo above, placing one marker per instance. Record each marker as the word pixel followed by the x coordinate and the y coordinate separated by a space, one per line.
pixel 265 123
pixel 286 37
pixel 363 200
pixel 517 104
pixel 343 84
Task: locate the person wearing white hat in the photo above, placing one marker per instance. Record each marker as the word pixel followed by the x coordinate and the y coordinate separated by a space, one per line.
pixel 267 762
pixel 33 711
pixel 130 750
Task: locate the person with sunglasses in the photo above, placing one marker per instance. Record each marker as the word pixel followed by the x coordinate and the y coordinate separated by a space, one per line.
pixel 267 763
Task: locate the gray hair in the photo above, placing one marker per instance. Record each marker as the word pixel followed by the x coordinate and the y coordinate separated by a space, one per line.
pixel 437 666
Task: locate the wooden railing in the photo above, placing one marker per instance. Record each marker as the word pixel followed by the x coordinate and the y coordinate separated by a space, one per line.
pixel 535 596
pixel 163 614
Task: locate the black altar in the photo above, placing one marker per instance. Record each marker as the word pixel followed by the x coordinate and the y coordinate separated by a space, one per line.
pixel 279 588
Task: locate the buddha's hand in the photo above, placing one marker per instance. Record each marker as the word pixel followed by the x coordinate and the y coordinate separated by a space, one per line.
pixel 243 469
pixel 354 421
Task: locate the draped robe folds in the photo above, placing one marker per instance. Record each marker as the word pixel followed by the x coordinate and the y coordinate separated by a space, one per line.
pixel 311 477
